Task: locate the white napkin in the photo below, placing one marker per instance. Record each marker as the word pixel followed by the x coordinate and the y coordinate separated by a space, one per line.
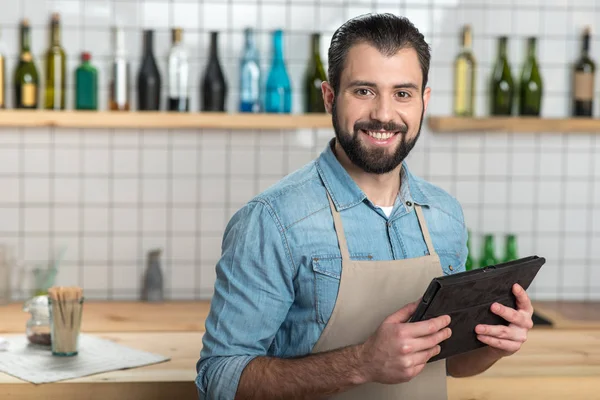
pixel 3 344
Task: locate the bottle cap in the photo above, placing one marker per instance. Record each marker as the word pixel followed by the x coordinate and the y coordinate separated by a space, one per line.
pixel 86 56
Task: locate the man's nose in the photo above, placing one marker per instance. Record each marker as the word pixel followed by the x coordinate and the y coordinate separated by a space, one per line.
pixel 383 110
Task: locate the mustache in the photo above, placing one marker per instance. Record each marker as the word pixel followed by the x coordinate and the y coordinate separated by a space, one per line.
pixel 373 125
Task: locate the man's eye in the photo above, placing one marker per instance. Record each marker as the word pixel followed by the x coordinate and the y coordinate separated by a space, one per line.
pixel 403 94
pixel 363 92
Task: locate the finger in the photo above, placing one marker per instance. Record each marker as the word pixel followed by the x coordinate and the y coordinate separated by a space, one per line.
pixel 511 315
pixel 513 333
pixel 403 314
pixel 500 344
pixel 420 358
pixel 428 327
pixel 430 341
pixel 523 300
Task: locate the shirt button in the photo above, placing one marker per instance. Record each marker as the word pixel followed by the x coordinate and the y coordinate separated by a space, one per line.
pixel 409 203
pixel 450 268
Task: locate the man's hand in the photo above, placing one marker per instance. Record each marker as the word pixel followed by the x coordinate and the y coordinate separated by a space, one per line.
pixel 507 340
pixel 399 351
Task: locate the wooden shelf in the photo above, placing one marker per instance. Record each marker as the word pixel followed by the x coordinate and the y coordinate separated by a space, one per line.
pixel 514 124
pixel 160 120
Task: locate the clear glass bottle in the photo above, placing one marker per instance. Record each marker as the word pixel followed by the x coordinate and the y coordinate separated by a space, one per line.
pixel 250 75
pixel 38 328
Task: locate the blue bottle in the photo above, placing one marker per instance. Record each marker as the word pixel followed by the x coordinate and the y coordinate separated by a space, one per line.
pixel 278 97
pixel 250 75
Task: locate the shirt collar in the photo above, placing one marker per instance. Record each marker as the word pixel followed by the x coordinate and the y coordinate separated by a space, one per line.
pixel 345 193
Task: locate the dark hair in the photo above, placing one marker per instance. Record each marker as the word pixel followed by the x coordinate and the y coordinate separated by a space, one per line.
pixel 388 33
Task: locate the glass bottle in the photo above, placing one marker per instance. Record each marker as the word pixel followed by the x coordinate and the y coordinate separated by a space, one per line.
pixel 179 99
pixel 315 76
pixel 26 79
pixel 510 253
pixel 2 74
pixel 119 99
pixel 149 81
pixel 214 86
pixel 583 80
pixel 464 77
pixel 86 84
pixel 56 67
pixel 503 90
pixel 279 90
pixel 37 328
pixel 250 75
pixel 469 264
pixel 489 254
pixel 531 87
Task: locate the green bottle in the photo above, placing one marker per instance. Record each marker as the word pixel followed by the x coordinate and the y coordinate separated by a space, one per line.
pixel 511 248
pixel 56 61
pixel 86 85
pixel 469 264
pixel 503 89
pixel 488 257
pixel 530 99
pixel 315 75
pixel 26 81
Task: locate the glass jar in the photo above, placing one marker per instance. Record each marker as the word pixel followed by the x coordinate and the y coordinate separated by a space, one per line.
pixel 38 326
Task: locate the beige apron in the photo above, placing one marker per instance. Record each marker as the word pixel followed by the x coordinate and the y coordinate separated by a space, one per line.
pixel 369 292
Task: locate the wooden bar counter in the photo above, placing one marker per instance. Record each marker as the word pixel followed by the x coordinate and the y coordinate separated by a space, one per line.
pixel 556 363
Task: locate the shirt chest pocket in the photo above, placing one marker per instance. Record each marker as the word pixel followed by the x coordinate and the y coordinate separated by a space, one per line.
pixel 327 270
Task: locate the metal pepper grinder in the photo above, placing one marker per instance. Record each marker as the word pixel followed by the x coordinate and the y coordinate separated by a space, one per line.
pixel 153 287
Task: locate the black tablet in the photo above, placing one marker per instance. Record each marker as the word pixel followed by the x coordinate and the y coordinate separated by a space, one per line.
pixel 467 297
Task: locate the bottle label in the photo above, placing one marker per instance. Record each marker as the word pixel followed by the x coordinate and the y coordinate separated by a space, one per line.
pixel 1 81
pixel 28 94
pixel 26 57
pixel 462 90
pixel 584 86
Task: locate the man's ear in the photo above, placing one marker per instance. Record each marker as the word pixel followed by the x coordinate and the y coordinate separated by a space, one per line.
pixel 328 96
pixel 426 96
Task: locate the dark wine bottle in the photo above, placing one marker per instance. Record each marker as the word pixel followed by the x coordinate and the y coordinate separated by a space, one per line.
pixel 149 83
pixel 503 89
pixel 26 79
pixel 583 80
pixel 531 87
pixel 214 86
pixel 315 76
pixel 56 75
pixel 2 76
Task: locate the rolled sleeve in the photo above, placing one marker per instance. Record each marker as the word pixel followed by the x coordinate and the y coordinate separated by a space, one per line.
pixel 253 294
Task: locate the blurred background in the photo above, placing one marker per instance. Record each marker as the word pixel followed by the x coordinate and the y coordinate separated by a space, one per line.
pixel 90 204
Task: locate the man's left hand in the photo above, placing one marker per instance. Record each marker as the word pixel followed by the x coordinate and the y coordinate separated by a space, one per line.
pixel 507 340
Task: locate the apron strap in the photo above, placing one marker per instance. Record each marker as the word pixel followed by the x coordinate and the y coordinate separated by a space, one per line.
pixel 339 229
pixel 424 229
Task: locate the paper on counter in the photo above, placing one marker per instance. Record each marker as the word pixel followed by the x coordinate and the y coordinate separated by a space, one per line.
pixel 96 355
pixel 3 344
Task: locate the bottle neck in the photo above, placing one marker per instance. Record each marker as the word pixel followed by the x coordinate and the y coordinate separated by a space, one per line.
pixel 214 45
pixel 489 246
pixel 148 43
pixel 466 39
pixel 278 46
pixel 502 48
pixel 531 45
pixel 55 35
pixel 249 39
pixel 585 48
pixel 119 42
pixel 25 38
pixel 316 46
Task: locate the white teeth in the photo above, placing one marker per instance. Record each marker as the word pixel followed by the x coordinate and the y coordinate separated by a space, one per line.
pixel 380 135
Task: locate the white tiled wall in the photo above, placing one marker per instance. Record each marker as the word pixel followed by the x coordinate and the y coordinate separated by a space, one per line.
pixel 110 195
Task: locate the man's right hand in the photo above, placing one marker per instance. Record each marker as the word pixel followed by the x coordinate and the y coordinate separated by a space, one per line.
pixel 398 351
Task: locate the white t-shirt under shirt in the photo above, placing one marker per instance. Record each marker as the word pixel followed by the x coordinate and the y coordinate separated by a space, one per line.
pixel 387 210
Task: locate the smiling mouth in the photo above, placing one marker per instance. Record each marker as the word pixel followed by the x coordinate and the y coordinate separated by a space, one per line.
pixel 380 135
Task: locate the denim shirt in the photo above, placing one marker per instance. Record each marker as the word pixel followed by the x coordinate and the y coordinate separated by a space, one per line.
pixel 279 273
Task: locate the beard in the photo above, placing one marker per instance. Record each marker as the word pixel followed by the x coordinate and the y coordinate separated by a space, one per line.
pixel 377 160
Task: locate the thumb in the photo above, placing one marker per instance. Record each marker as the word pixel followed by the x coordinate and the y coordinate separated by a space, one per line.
pixel 403 314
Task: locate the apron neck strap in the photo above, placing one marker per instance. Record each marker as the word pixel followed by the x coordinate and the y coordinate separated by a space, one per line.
pixel 339 229
pixel 424 229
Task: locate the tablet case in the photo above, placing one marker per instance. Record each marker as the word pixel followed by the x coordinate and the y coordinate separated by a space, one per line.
pixel 467 297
